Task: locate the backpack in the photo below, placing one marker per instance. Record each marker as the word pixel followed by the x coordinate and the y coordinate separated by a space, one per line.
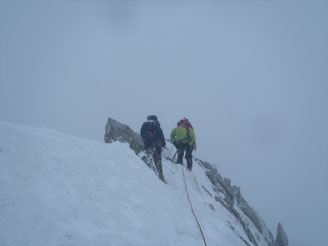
pixel 151 130
pixel 186 124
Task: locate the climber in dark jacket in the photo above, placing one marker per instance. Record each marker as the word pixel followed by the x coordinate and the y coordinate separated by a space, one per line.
pixel 153 139
pixel 152 134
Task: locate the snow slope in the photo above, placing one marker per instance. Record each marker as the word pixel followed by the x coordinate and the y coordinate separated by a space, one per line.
pixel 57 189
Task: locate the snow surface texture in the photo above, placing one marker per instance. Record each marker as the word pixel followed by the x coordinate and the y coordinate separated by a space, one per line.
pixel 227 195
pixel 57 189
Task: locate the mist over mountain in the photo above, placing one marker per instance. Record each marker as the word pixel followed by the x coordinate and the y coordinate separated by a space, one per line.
pixel 250 75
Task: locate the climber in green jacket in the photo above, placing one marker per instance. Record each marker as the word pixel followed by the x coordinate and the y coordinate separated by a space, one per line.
pixel 183 138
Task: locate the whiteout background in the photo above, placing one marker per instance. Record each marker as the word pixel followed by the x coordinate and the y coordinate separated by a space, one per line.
pixel 251 76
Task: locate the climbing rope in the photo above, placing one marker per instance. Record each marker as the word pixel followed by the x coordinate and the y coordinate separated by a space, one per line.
pixel 192 209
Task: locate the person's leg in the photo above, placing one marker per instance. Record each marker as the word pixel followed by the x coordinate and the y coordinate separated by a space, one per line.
pixel 180 155
pixel 189 150
pixel 158 164
pixel 147 144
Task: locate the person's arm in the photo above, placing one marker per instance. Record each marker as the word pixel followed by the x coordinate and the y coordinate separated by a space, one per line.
pixel 192 137
pixel 143 131
pixel 161 135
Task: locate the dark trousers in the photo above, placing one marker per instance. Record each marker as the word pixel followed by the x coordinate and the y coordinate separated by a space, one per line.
pixel 158 164
pixel 181 148
pixel 155 151
pixel 153 144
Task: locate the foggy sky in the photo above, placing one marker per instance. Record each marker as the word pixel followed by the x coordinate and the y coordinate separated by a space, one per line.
pixel 252 77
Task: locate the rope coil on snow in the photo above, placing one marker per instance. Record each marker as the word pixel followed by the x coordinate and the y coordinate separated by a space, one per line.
pixel 192 209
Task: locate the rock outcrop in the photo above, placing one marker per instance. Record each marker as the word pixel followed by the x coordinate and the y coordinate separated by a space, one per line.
pixel 116 131
pixel 227 195
pixel 281 239
pixel 230 197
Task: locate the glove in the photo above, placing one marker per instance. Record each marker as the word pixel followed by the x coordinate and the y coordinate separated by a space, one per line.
pixel 175 143
pixel 195 146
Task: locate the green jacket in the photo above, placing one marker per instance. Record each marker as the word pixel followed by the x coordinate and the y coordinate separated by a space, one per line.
pixel 180 134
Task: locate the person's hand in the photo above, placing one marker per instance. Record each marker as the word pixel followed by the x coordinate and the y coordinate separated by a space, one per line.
pixel 195 146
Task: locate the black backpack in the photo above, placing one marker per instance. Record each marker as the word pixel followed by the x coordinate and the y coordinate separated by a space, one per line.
pixel 151 130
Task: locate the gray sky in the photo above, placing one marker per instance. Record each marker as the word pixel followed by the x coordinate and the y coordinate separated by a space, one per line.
pixel 252 76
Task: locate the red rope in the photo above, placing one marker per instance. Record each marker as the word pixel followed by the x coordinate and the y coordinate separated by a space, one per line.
pixel 192 209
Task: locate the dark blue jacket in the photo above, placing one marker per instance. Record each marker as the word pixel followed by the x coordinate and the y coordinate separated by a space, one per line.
pixel 152 135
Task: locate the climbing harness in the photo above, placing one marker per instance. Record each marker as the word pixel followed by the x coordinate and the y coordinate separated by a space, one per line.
pixel 192 209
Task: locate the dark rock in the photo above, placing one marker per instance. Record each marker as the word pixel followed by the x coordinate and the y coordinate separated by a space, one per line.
pixel 281 239
pixel 116 131
pixel 227 182
pixel 211 206
pixel 232 197
pixel 236 214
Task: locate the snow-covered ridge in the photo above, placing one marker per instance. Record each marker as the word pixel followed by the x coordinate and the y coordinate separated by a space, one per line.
pixel 229 196
pixel 57 189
